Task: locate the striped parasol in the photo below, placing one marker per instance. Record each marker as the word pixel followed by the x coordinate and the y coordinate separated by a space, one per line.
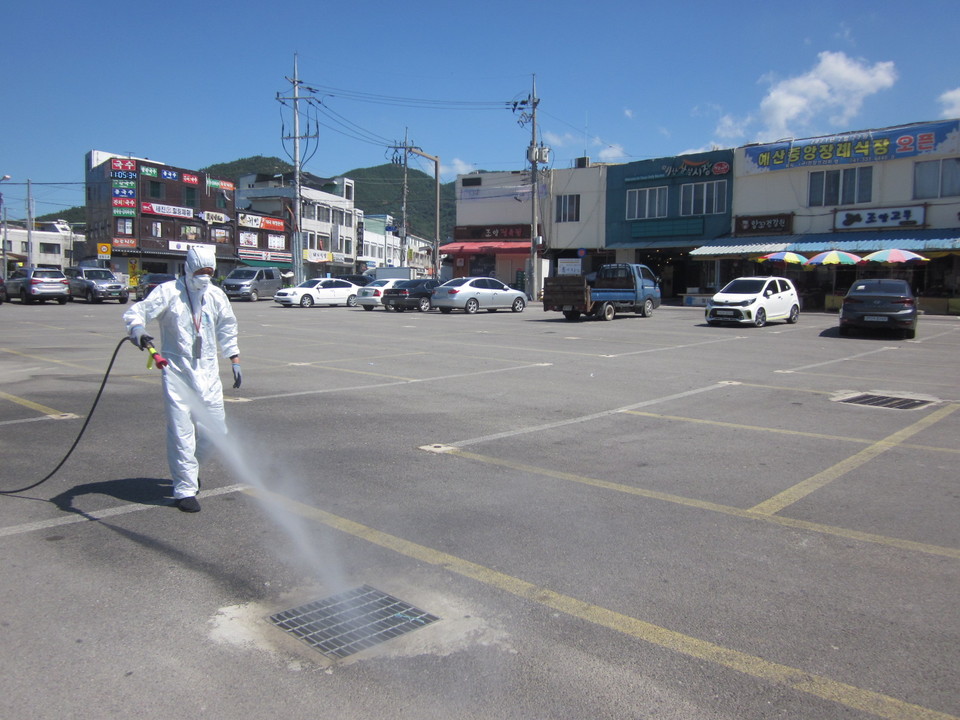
pixel 834 257
pixel 785 257
pixel 893 256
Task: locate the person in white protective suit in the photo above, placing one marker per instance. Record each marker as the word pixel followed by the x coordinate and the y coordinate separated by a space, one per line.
pixel 194 316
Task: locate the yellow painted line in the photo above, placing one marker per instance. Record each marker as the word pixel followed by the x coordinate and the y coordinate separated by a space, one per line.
pixel 819 686
pixel 857 535
pixel 801 433
pixel 44 358
pixel 35 406
pixel 803 489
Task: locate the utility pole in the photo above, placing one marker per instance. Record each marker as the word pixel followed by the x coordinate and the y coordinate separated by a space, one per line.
pixel 534 155
pixel 3 271
pixel 29 226
pixel 297 243
pixel 403 224
pixel 408 148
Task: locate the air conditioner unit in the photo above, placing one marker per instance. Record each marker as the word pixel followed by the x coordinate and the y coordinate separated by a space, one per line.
pixel 583 162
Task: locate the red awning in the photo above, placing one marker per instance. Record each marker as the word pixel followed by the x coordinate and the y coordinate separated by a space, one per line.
pixel 489 247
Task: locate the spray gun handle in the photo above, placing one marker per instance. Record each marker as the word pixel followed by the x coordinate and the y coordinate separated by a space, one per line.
pixel 157 357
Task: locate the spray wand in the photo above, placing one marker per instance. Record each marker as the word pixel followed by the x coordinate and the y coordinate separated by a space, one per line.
pixel 157 358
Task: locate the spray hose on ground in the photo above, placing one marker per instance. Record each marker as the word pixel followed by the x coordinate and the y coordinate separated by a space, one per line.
pixel 155 357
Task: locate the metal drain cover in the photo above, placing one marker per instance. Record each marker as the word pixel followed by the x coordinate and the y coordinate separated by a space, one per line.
pixel 886 401
pixel 351 621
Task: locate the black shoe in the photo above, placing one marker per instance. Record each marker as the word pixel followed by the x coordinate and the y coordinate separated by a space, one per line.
pixel 189 504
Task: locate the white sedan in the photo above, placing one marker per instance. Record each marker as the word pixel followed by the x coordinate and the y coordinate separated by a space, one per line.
pixel 371 295
pixel 319 291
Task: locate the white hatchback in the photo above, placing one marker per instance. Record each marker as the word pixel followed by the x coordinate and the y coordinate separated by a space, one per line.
pixel 754 301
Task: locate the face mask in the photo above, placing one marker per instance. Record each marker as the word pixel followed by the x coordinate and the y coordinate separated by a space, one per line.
pixel 199 282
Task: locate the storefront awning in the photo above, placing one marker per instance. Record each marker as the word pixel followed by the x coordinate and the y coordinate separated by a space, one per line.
pixel 921 241
pixel 264 263
pixel 492 247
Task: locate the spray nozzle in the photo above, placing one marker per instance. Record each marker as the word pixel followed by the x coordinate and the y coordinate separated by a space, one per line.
pixel 156 357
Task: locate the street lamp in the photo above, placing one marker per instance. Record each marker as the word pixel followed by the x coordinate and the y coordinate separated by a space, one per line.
pixel 4 240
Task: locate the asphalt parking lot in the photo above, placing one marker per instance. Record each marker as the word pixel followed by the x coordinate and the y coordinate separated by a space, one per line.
pixel 643 518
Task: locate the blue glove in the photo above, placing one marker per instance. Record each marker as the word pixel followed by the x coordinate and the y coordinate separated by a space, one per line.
pixel 140 338
pixel 237 375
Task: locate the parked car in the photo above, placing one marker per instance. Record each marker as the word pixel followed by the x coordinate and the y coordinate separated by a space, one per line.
pixel 250 283
pixel 33 284
pixel 410 295
pixel 319 291
pixel 371 296
pixel 149 281
pixel 359 280
pixel 754 301
pixel 3 290
pixel 473 293
pixel 96 284
pixel 884 304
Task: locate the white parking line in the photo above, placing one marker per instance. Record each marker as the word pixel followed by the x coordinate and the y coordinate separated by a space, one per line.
pixel 837 360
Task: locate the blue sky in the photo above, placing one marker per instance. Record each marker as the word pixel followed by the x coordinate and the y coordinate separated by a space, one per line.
pixel 195 83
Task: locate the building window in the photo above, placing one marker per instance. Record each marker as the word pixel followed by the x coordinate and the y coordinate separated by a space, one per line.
pixel 156 229
pixel 568 208
pixel 49 249
pixel 936 178
pixel 221 200
pixel 155 190
pixel 841 187
pixel 189 196
pixel 706 198
pixel 647 203
pixel 348 246
pixel 323 213
pixel 189 232
pixel 124 226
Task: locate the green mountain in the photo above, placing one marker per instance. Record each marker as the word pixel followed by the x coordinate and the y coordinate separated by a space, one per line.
pixel 378 190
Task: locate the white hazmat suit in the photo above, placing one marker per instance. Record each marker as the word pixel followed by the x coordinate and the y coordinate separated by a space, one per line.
pixel 193 317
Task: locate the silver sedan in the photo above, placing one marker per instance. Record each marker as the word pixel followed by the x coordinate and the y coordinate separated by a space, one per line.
pixel 474 293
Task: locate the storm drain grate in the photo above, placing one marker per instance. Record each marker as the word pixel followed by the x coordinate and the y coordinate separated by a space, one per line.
pixel 886 401
pixel 351 621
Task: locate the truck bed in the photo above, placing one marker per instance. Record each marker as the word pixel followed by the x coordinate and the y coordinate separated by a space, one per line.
pixel 564 290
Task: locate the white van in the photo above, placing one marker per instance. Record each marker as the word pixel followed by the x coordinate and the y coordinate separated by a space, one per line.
pixel 250 283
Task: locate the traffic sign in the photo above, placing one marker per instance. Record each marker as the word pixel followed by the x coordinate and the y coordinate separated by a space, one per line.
pixel 103 251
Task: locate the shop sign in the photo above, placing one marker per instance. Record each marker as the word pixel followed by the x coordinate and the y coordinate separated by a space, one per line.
pixel 119 192
pixel 259 221
pixel 130 184
pixel 696 168
pixel 122 164
pixel 248 239
pixel 147 171
pixel 124 212
pixel 124 202
pixel 119 242
pixel 894 217
pixel 276 242
pixel 220 184
pixel 569 267
pixel 764 224
pixel 191 179
pixel 181 246
pixel 317 256
pixel 491 232
pixel 169 175
pixel 339 258
pixel 213 217
pixel 869 146
pixel 171 210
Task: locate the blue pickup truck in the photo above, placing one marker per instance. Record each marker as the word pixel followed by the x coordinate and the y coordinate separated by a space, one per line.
pixel 619 287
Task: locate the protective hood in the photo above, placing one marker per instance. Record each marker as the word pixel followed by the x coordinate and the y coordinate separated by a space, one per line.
pixel 199 256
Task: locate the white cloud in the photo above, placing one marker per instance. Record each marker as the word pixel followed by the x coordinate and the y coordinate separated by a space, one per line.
pixel 628 113
pixel 554 140
pixel 837 86
pixel 456 167
pixel 611 153
pixel 951 103
pixel 732 128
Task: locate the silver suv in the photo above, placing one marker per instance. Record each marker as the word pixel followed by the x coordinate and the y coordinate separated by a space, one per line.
pixel 250 283
pixel 40 284
pixel 96 285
